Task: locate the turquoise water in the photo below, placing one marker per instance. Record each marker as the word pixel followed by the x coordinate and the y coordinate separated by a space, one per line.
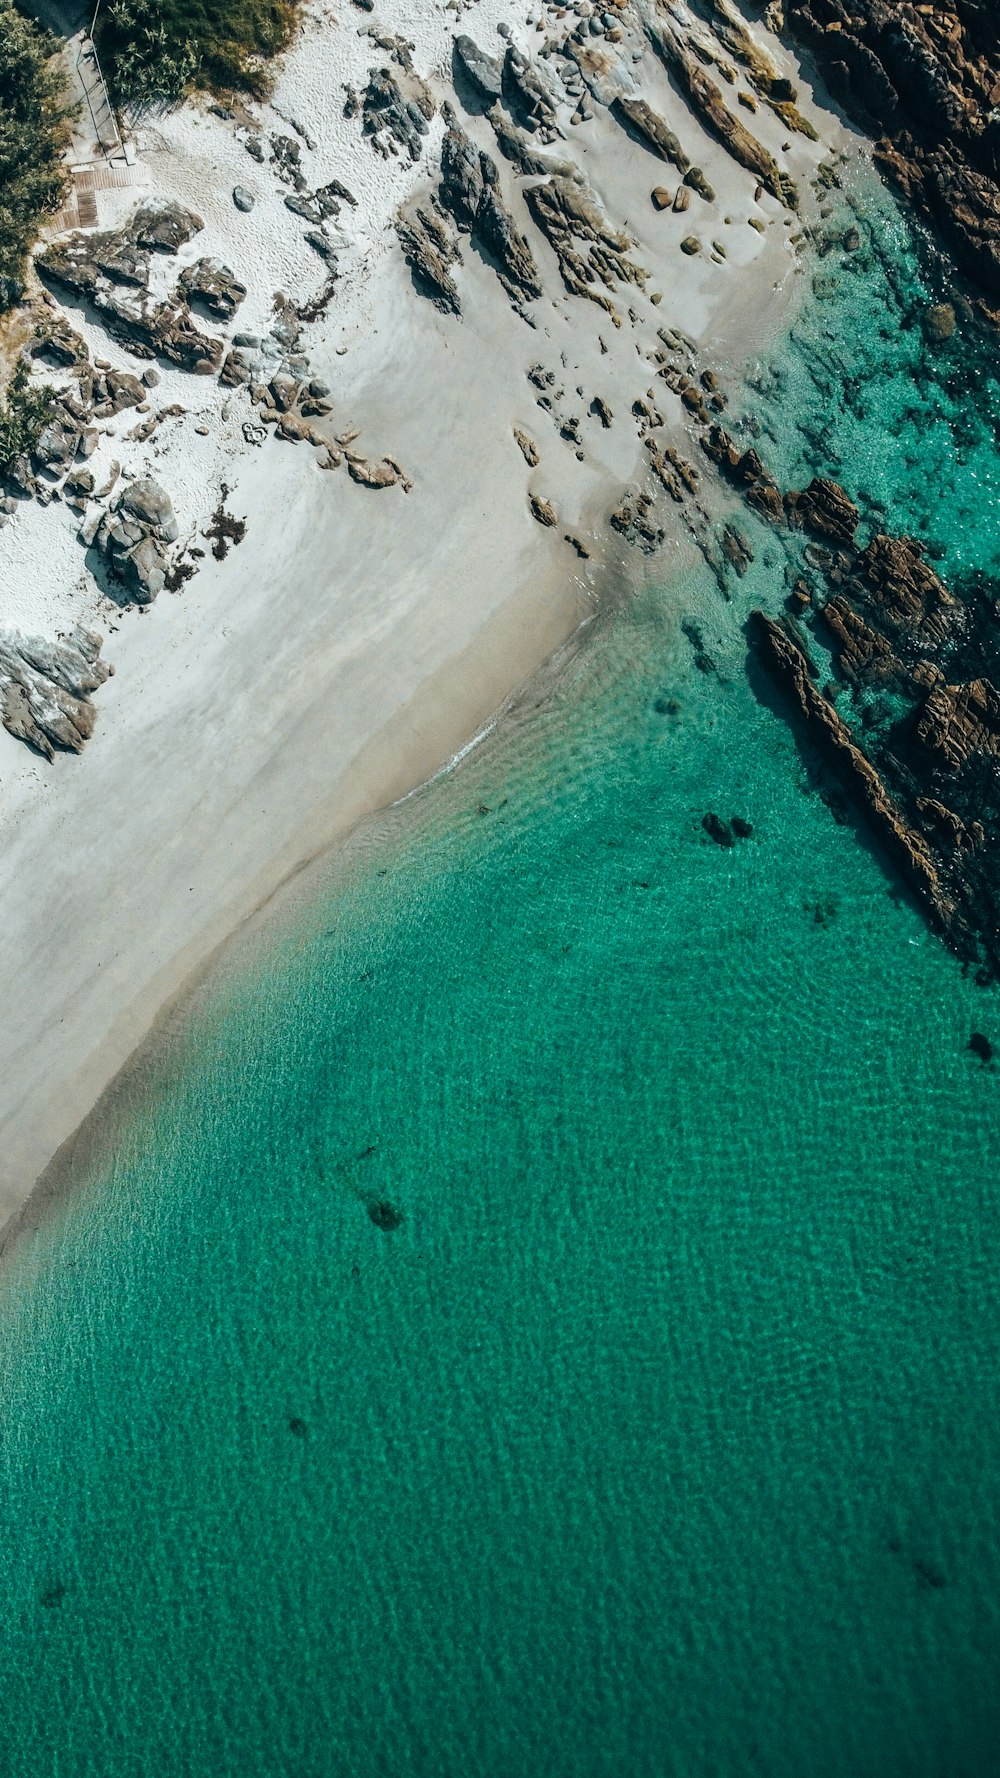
pixel 658 1435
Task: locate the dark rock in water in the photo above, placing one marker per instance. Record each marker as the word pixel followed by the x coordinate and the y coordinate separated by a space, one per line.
pixel 385 1215
pixel 823 507
pixel 742 828
pixel 718 830
pixel 297 1427
pixel 53 1596
pixel 981 1046
pixel 928 1573
pixel 702 659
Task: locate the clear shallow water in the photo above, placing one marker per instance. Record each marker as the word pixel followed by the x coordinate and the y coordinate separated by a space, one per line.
pixel 660 1436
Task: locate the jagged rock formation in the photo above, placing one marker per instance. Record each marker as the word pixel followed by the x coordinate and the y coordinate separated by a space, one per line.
pixel 45 689
pixel 519 149
pixel 531 92
pixel 470 190
pixel 212 285
pixel 825 509
pixel 707 101
pixel 568 213
pixel 746 471
pixel 431 251
pixel 787 661
pixel 928 77
pixel 164 226
pixel 395 119
pixel 775 89
pixel 655 133
pixel 135 535
pixel 111 271
pixel 483 72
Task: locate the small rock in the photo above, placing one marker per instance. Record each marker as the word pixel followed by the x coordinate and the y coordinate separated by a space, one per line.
pixel 690 245
pixel 243 199
pixel 542 510
pixel 940 321
pixel 662 198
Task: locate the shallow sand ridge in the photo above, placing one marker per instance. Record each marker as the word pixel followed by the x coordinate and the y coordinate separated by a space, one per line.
pixel 356 637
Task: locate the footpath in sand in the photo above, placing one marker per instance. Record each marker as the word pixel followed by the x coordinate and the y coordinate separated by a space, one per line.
pixel 531 446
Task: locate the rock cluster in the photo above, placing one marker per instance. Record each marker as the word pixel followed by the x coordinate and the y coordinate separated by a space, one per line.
pixel 45 689
pixel 111 271
pixel 707 101
pixel 393 118
pixel 134 536
pixel 590 252
pixel 928 78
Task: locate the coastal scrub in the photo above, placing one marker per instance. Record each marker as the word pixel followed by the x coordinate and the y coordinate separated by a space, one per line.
pixel 156 50
pixel 32 112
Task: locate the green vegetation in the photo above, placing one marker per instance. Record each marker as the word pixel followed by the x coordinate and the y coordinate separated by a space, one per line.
pixel 32 104
pixel 24 416
pixel 156 50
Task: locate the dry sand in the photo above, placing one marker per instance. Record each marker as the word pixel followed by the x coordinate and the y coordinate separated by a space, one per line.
pixel 356 639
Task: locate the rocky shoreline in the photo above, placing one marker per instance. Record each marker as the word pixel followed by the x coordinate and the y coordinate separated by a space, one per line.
pixel 925 82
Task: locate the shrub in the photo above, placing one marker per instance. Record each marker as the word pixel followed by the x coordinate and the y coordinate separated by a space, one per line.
pixel 155 50
pixel 32 133
pixel 24 416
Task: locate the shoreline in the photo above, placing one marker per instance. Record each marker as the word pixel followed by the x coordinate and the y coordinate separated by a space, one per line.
pixel 339 657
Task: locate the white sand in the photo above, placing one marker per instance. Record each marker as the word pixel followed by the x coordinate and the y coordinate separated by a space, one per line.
pixel 356 639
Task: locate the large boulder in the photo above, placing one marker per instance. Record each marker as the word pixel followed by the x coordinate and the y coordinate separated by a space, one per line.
pixel 212 285
pixel 484 73
pixel 164 226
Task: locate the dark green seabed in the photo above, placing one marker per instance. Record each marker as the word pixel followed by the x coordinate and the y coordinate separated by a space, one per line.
pixel 539 1314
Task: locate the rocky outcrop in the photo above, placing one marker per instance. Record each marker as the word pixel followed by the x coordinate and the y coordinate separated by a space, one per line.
pixel 927 78
pixel 110 272
pixel 135 535
pixel 825 509
pixel 211 285
pixel 787 662
pixel 654 132
pixel 531 91
pixel 470 190
pixel 519 149
pixel 707 101
pixel 164 226
pixel 590 252
pixel 431 252
pixel 774 88
pixel 393 118
pixel 45 689
pixel 483 72
pixel 746 471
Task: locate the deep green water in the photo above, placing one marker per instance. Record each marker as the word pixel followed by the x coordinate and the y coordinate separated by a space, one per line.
pixel 660 1437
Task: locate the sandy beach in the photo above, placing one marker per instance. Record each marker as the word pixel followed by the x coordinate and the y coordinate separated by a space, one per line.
pixel 357 637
